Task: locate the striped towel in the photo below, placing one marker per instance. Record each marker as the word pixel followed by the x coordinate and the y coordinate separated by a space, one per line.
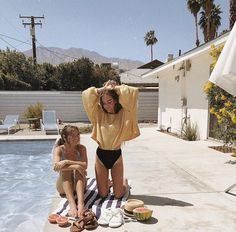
pixel 93 201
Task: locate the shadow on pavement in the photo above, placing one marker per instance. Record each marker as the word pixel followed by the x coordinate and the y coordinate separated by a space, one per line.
pixel 155 200
pixel 150 221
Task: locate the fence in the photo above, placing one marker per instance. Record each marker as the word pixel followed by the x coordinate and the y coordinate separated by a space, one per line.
pixel 67 104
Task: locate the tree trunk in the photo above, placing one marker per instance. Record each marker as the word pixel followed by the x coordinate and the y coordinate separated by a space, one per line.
pixel 232 12
pixel 151 53
pixel 208 18
pixel 196 27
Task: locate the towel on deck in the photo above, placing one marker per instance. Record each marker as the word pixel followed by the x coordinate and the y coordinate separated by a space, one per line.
pixel 93 201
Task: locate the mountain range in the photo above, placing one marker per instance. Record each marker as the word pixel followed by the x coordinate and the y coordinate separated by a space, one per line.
pixel 55 56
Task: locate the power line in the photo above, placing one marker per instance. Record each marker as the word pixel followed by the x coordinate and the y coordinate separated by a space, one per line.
pixel 22 43
pixel 9 43
pixel 9 37
pixel 55 53
pixel 58 53
pixel 32 25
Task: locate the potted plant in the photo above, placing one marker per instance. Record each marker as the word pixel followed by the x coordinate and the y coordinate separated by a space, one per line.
pixel 33 114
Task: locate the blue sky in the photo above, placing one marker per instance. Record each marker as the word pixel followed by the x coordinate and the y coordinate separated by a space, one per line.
pixel 111 28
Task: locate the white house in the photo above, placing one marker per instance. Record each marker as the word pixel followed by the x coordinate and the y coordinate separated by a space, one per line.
pixel 181 95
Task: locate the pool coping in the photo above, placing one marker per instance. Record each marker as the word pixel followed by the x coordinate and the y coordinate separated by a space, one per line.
pixel 25 133
pixel 28 137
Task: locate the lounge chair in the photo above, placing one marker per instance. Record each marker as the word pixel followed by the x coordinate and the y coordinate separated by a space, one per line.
pixel 49 122
pixel 9 122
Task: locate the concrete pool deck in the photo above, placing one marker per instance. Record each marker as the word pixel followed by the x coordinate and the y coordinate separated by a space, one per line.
pixel 183 182
pixel 25 133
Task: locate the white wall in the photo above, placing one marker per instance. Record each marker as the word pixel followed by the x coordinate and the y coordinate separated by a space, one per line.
pixel 197 102
pixel 169 112
pixel 68 105
pixel 176 83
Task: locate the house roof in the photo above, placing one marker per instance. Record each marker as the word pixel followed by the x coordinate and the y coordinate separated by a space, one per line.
pixel 134 77
pixel 151 65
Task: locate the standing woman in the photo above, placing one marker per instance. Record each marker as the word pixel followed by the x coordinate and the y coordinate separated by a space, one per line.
pixel 112 111
pixel 70 160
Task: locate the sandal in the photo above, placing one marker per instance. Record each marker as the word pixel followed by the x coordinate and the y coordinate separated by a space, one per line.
pixel 52 218
pixel 90 220
pixel 91 225
pixel 77 226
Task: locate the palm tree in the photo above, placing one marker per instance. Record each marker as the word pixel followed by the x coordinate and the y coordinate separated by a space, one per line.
pixel 194 7
pixel 232 12
pixel 208 9
pixel 215 21
pixel 210 24
pixel 207 6
pixel 150 39
pixel 203 25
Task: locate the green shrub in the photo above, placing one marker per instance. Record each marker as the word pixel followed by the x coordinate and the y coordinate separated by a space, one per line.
pixel 34 111
pixel 189 132
pixel 222 106
pixel 2 85
pixel 225 132
pixel 12 82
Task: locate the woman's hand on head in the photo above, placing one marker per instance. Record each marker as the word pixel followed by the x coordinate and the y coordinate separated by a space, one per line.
pixel 107 85
pixel 110 84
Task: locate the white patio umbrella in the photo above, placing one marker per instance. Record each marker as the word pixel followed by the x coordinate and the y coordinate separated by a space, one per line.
pixel 224 73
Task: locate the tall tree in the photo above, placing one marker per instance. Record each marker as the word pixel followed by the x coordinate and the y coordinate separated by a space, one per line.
pixel 150 40
pixel 18 71
pixel 215 21
pixel 232 13
pixel 207 6
pixel 194 7
pixel 210 23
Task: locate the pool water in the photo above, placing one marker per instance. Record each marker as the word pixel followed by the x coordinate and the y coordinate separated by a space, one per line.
pixel 27 185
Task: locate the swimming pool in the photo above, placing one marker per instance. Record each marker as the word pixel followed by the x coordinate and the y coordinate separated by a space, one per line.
pixel 27 185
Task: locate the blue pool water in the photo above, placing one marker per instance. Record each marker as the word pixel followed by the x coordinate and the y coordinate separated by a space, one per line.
pixel 27 185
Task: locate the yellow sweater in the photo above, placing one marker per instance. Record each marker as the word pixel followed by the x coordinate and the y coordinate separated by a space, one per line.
pixel 111 130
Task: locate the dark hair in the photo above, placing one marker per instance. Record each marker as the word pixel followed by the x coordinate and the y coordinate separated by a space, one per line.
pixel 66 131
pixel 113 94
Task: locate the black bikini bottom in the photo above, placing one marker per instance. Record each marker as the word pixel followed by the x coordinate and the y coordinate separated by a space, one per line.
pixel 108 157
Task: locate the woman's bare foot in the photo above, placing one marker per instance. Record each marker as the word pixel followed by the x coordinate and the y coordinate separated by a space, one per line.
pixel 73 212
pixel 80 210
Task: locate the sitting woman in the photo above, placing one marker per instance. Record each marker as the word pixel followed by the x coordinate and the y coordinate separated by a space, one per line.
pixel 70 160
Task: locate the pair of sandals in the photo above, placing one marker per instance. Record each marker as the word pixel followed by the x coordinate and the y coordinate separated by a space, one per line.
pixel 87 221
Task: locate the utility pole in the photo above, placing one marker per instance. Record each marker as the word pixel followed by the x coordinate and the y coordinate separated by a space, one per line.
pixel 32 25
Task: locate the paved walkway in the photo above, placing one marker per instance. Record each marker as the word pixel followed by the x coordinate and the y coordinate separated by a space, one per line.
pixel 183 182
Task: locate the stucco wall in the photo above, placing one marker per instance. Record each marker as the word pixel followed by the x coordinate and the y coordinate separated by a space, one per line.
pixel 181 94
pixel 181 90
